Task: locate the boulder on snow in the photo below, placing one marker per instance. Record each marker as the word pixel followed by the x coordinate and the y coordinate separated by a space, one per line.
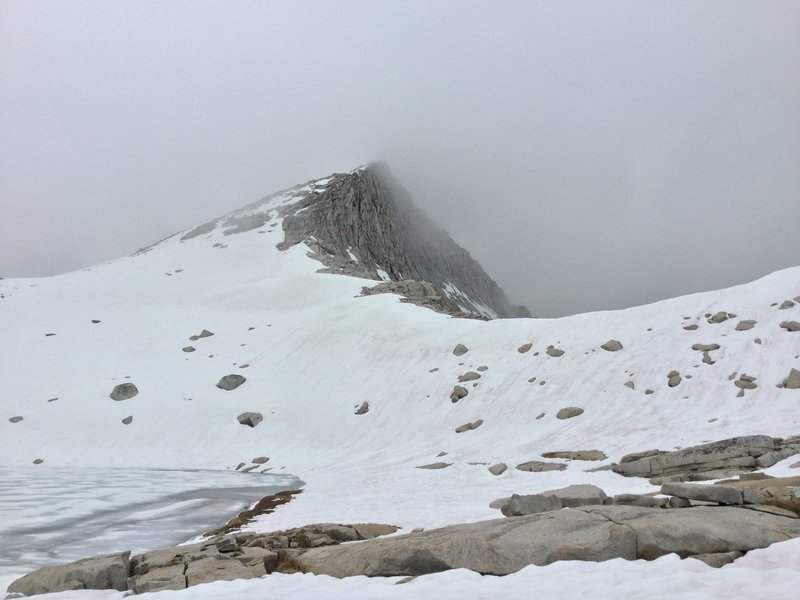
pixel 260 460
pixel 363 409
pixel 458 393
pixel 123 391
pixel 577 455
pixel 524 348
pixel 127 420
pixel 498 469
pixel 469 426
pixel 469 376
pixel 538 466
pixel 792 382
pixel 786 304
pixel 16 419
pixel 569 412
pixel 790 325
pixel 460 350
pixel 554 352
pixel 745 325
pixel 719 317
pixel 705 347
pixel 612 346
pixel 250 419
pixel 435 466
pixel 673 379
pixel 231 382
pixel 189 349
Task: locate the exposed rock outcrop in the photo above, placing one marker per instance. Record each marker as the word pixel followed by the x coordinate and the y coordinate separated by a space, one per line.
pixel 715 460
pixel 366 214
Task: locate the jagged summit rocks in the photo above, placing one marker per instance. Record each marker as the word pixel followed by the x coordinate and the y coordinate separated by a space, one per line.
pixel 364 223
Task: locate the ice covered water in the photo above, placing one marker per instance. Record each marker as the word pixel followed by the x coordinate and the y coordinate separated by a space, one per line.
pixel 51 515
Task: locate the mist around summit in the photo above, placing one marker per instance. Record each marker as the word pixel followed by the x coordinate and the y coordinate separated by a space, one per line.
pixel 590 157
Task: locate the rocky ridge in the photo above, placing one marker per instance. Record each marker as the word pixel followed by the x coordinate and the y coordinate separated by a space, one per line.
pixel 365 224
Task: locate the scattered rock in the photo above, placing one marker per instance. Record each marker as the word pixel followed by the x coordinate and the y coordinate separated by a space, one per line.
pixel 123 391
pixel 719 317
pixel 16 419
pixel 792 382
pixel 706 359
pixel 524 348
pixel 537 466
pixel 483 368
pixel 746 382
pixel 691 327
pixel 469 376
pixel 569 412
pixel 540 416
pixel 745 325
pixel 38 461
pixel 436 465
pixel 648 392
pixel 260 460
pixel 498 469
pixel 205 333
pixel 577 455
pixel 250 419
pixel 231 382
pixel 790 326
pixel 458 393
pixel 460 350
pixel 554 352
pixel 673 379
pixel 786 304
pixel 189 349
pixel 630 384
pixel 705 347
pixel 469 426
pixel 612 346
pixel 127 420
pixel 95 321
pixel 363 409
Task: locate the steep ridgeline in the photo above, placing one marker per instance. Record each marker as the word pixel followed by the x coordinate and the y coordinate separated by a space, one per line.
pixel 364 223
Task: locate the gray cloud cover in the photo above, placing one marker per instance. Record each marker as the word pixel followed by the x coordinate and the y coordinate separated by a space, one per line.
pixel 590 154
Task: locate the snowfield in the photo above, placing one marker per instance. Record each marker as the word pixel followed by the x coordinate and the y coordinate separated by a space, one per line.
pixel 315 350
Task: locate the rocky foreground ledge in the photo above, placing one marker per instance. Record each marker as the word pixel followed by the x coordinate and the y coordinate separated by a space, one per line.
pixel 712 523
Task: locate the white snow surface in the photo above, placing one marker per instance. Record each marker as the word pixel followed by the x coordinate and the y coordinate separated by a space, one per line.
pixel 317 350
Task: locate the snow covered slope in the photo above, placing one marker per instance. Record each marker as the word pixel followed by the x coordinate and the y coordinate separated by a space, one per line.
pixel 313 350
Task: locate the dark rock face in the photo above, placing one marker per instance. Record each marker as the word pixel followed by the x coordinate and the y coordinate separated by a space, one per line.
pixel 368 214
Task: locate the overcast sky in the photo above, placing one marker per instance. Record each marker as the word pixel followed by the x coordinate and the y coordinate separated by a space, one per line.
pixel 590 155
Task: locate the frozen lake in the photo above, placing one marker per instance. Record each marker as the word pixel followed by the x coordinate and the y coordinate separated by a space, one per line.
pixel 52 515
